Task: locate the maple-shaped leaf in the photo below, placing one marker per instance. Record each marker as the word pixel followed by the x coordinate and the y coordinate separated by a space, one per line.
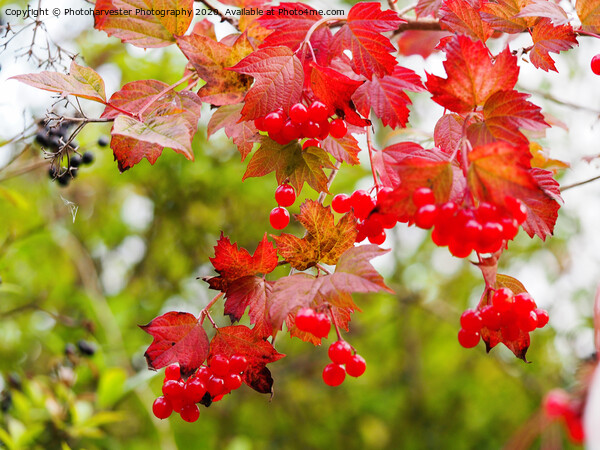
pixel 336 90
pixel 344 149
pixel 278 80
pixel 362 36
pixel 325 240
pixel 419 42
pixel 254 293
pixel 549 38
pixel 144 23
pixel 387 98
pixel 462 16
pixel 588 12
pixel 210 59
pixel 244 134
pixel 233 263
pixel 504 113
pixel 427 8
pixel 499 170
pixel 291 163
pixel 178 338
pixel 471 76
pixel 241 340
pixel 81 82
pixel 353 273
pixel 544 8
pixel 502 15
pixel 290 26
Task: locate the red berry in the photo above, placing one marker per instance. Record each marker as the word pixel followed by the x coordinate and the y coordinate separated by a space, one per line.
pixel 285 195
pixel 306 319
pixel 378 238
pixel 177 403
pixel 290 132
pixel 468 339
pixel 203 374
pixel 470 320
pixel 528 322
pixel 215 386
pixel 279 218
pixel 491 237
pixel 298 114
pixel 510 228
pixel 162 408
pixel 486 212
pixel 426 216
pixel 190 412
pixel 311 143
pixel 172 372
pixel 491 317
pixel 472 231
pixel 333 374
pixel 556 403
pixel 596 64
pixel 340 352
pixel 233 381
pixel 387 221
pixel 219 365
pixel 194 390
pixel 459 247
pixel 575 428
pixel 238 364
pixel 274 122
pixel 356 366
pixel 542 318
pixel 503 299
pixel 338 128
pixel 524 303
pixel 517 209
pixel 324 130
pixel 341 203
pixel 173 388
pixel 322 325
pixel 260 124
pixel 423 196
pixel 311 129
pixel 362 203
pixel 318 111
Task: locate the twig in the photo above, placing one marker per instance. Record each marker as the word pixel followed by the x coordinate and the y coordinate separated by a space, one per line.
pixel 579 183
pixel 204 313
pixel 562 102
pixel 406 9
pixel 332 175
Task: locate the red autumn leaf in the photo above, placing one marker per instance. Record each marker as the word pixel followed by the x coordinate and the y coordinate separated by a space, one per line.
pixel 241 340
pixel 291 163
pixel 504 113
pixel 362 36
pixel 549 38
pixel 136 23
pixel 210 59
pixel 544 8
pixel 502 15
pixel 81 82
pixel 336 91
pixel 448 132
pixel 499 170
pixel 290 27
pixel 278 80
pixel 345 149
pixel 254 293
pixel 353 273
pixel 325 241
pixel 244 134
pixel 387 98
pixel 471 76
pixel 588 12
pixel 462 16
pixel 178 338
pixel 427 8
pixel 233 263
pixel 419 42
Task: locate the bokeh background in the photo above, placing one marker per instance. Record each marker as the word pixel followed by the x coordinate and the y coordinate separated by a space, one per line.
pixel 82 266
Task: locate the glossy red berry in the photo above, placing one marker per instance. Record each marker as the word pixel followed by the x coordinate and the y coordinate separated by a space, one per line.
pixel 238 364
pixel 172 372
pixel 596 64
pixel 362 203
pixel 341 203
pixel 279 218
pixel 334 374
pixel 219 365
pixel 260 124
pixel 322 325
pixel 203 374
pixel 517 209
pixel 194 390
pixel 298 113
pixel 378 238
pixel 173 388
pixel 233 381
pixel 215 386
pixel 542 318
pixel 502 299
pixel 528 322
pixel 338 128
pixel 190 412
pixel 340 352
pixel 356 366
pixel 318 111
pixel 311 143
pixel 162 408
pixel 311 129
pixel 523 303
pixel 426 216
pixel 423 196
pixel 468 339
pixel 470 320
pixel 491 317
pixel 273 122
pixel 290 132
pixel 306 319
pixel 285 195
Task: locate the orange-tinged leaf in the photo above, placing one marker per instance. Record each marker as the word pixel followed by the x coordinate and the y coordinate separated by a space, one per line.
pixel 278 80
pixel 588 12
pixel 254 293
pixel 211 59
pixel 345 149
pixel 233 263
pixel 502 15
pixel 544 8
pixel 81 82
pixel 244 134
pixel 420 42
pixel 462 16
pixel 136 22
pixel 361 35
pixel 541 159
pixel 471 76
pixel 290 162
pixel 325 241
pixel 178 338
pixel 241 340
pixel 549 38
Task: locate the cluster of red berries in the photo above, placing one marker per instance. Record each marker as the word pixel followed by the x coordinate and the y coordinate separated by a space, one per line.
pixel 208 384
pixel 303 122
pixel 340 354
pixel 284 196
pixel 508 314
pixel 371 226
pixel 483 229
pixel 309 320
pixel 558 405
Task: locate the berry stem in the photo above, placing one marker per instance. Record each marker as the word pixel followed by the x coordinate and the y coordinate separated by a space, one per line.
pixel 579 183
pixel 335 325
pixel 332 175
pixel 370 147
pixel 323 269
pixel 204 313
